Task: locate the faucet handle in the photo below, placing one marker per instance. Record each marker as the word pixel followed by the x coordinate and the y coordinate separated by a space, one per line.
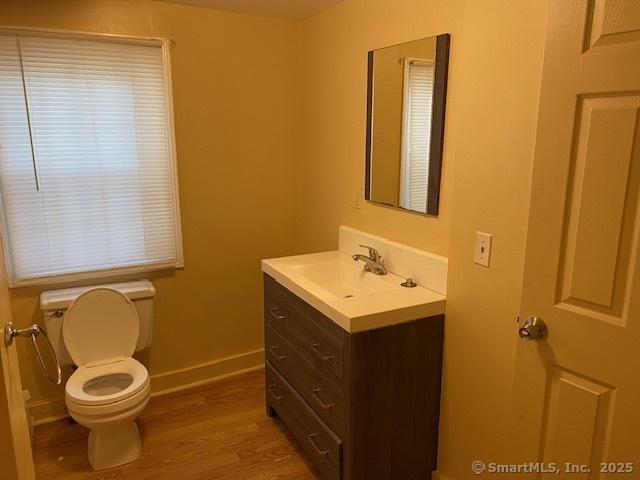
pixel 373 253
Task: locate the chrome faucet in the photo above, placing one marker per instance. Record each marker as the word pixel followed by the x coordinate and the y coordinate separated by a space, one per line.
pixel 372 263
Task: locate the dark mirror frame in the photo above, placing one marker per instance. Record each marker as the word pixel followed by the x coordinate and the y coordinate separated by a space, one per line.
pixel 437 126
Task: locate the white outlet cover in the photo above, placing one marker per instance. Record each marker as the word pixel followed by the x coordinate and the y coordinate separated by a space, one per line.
pixel 357 200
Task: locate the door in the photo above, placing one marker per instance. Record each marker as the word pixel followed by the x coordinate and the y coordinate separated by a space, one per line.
pixel 16 461
pixel 577 392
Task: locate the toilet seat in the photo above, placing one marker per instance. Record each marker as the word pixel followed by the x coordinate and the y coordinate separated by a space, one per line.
pixel 75 388
pixel 100 330
pixel 101 325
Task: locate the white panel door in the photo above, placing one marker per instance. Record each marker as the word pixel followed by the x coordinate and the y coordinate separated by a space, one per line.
pixel 577 392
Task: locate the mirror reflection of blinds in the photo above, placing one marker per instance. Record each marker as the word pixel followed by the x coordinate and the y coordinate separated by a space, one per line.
pixel 417 134
pixel 90 118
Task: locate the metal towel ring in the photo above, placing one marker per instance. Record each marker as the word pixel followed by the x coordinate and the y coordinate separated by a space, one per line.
pixel 33 331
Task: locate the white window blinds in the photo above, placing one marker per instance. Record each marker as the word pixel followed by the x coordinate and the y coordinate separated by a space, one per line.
pixel 87 173
pixel 418 102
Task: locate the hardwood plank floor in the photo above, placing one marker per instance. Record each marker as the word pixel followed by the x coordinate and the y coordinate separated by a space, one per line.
pixel 219 431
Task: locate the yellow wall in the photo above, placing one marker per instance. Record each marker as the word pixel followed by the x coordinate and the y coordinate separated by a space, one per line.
pixel 334 68
pixel 235 82
pixel 388 102
pixel 490 133
pixel 492 188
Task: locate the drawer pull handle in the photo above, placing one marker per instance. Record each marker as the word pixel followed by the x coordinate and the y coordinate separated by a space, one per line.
pixel 273 312
pixel 273 352
pixel 316 348
pixel 278 397
pixel 326 406
pixel 315 446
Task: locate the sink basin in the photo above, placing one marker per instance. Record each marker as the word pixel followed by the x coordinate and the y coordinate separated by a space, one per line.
pixel 345 278
pixel 355 300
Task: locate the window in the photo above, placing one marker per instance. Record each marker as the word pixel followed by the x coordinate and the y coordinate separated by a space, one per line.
pixel 87 169
pixel 416 132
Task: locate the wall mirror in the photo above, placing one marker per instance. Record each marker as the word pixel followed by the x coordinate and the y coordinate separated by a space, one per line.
pixel 406 92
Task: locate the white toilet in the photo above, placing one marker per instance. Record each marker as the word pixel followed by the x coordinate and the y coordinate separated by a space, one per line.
pixel 98 329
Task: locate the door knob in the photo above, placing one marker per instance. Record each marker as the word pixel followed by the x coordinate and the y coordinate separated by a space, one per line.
pixel 533 328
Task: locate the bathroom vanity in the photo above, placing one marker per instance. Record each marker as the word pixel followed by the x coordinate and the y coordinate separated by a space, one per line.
pixel 353 360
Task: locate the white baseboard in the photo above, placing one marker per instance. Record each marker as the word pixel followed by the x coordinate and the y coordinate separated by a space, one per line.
pixel 52 409
pixel 204 373
pixel 47 411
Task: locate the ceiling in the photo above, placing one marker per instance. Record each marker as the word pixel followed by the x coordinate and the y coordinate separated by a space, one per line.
pixel 288 9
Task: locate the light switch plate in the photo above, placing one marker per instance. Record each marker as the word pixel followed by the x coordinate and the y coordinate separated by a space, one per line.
pixel 482 253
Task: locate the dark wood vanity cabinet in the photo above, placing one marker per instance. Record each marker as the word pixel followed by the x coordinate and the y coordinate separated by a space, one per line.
pixel 362 405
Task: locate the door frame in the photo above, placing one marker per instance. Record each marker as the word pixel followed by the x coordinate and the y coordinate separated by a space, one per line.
pixel 12 408
pixel 14 415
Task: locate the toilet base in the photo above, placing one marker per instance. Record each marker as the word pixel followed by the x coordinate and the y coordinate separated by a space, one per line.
pixel 114 446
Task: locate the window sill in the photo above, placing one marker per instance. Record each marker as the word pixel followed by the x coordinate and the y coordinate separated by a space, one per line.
pixel 95 275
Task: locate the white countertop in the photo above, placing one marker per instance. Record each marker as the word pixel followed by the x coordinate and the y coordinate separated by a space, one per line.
pixel 377 301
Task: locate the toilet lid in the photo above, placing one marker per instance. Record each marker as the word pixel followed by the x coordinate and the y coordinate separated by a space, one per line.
pixel 100 325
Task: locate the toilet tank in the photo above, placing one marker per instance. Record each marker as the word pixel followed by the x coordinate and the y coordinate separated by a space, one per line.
pixel 54 304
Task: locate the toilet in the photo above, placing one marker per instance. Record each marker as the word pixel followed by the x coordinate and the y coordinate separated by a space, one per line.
pixel 98 329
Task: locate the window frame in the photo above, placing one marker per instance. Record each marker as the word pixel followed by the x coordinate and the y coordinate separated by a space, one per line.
pixel 165 45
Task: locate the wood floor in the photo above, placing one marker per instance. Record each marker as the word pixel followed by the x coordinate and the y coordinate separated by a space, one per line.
pixel 219 431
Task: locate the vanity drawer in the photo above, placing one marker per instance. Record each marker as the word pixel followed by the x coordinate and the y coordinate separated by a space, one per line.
pixel 325 398
pixel 319 343
pixel 320 443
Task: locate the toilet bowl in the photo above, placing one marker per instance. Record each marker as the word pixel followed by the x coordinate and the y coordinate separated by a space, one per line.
pixel 109 389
